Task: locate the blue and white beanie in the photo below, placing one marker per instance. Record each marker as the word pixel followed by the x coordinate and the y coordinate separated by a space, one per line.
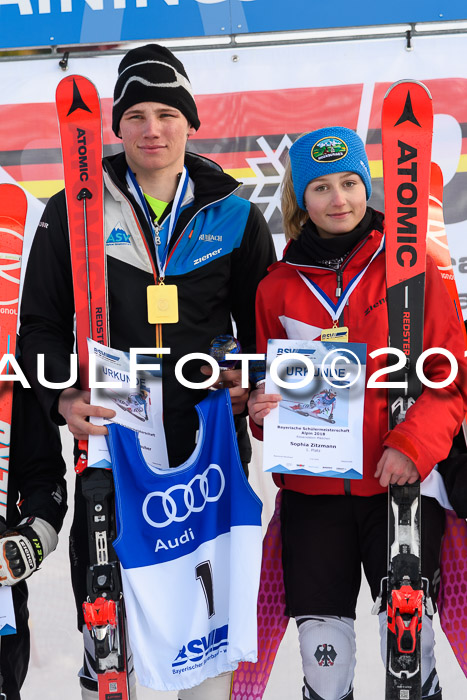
pixel 335 149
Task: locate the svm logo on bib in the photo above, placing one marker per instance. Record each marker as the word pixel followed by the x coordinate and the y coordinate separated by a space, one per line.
pixel 118 236
pixel 201 650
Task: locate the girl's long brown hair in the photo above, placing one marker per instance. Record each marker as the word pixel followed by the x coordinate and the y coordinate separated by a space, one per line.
pixel 293 217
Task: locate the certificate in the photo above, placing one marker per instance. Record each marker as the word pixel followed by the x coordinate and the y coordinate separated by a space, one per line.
pixel 317 429
pixel 138 407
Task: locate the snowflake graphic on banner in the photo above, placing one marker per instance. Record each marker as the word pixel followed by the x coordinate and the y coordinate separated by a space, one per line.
pixel 264 188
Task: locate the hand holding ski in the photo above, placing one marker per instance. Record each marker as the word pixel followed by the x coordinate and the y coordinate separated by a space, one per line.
pixel 395 468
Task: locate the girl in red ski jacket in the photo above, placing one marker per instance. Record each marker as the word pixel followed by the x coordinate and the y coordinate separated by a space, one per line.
pixel 331 526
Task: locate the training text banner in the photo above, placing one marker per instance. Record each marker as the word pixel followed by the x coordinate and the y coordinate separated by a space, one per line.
pixel 25 23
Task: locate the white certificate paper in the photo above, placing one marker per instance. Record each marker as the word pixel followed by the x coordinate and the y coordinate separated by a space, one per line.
pixel 317 429
pixel 138 408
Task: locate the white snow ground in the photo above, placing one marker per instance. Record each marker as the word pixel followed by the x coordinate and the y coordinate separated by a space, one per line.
pixel 56 644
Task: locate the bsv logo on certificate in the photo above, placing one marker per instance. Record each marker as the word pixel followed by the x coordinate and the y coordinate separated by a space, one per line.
pixel 317 428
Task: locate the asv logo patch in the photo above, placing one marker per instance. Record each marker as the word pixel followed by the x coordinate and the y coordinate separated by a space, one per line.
pixel 199 651
pixel 118 236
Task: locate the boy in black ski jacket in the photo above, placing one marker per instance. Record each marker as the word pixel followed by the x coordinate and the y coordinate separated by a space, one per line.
pixel 169 216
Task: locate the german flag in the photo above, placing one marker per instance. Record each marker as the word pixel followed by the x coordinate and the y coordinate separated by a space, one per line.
pixel 247 133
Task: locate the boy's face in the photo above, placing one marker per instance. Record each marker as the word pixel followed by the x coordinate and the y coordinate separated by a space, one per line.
pixel 154 136
pixel 336 203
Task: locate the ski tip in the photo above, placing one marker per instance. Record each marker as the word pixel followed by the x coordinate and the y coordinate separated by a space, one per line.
pixel 9 190
pixel 77 81
pixel 13 202
pixel 408 81
pixel 436 182
pixel 63 83
pixel 75 77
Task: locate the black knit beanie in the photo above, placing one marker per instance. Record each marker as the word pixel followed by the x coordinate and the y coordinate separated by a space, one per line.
pixel 151 73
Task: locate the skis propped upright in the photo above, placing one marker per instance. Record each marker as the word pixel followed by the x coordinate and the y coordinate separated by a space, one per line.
pixel 13 210
pixel 79 116
pixel 407 129
pixel 437 240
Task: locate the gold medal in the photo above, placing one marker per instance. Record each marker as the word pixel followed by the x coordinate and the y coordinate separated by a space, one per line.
pixel 162 303
pixel 338 334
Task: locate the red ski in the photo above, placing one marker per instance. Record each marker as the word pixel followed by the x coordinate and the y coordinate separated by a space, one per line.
pixel 437 240
pixel 13 209
pixel 407 130
pixel 80 120
pixel 452 614
pixel 79 116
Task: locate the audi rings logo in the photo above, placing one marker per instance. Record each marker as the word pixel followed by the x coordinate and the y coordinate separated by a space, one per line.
pixel 199 491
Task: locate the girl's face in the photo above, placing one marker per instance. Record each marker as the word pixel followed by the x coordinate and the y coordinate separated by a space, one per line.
pixel 336 203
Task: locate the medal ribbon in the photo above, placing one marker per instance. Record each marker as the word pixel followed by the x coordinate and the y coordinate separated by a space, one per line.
pixel 335 310
pixel 137 192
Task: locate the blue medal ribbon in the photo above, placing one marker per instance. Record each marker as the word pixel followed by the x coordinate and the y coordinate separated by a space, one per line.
pixel 335 310
pixel 137 192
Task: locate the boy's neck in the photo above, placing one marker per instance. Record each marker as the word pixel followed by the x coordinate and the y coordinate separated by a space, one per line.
pixel 160 185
